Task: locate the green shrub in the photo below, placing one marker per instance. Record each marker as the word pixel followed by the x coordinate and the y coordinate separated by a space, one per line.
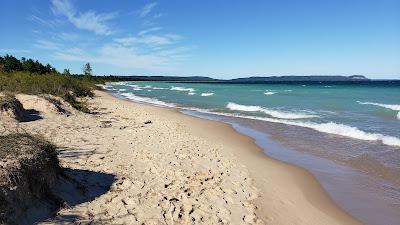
pixel 67 87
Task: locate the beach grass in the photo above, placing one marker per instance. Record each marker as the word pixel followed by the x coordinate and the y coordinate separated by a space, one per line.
pixel 71 88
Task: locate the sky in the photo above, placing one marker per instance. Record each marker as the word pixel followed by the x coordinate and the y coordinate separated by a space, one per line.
pixel 215 38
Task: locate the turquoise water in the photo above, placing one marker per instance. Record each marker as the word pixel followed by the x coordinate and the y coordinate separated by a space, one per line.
pixel 370 113
pixel 348 136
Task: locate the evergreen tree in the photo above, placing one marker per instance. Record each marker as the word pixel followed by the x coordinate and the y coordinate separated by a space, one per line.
pixel 87 69
pixel 66 72
pixel 11 63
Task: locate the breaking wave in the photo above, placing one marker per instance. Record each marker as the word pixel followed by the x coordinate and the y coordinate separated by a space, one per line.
pixel 207 94
pixel 273 113
pixel 182 89
pixel 329 128
pixel 154 101
pixel 387 106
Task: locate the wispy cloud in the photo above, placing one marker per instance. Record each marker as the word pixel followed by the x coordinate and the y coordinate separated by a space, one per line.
pixel 68 36
pixel 151 49
pixel 46 44
pixel 14 51
pixel 123 57
pixel 149 40
pixel 150 30
pixel 147 9
pixel 43 22
pixel 89 20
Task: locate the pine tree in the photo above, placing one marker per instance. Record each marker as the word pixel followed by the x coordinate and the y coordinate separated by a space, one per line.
pixel 87 69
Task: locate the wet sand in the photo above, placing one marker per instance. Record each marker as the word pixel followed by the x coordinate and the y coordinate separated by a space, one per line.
pixel 351 188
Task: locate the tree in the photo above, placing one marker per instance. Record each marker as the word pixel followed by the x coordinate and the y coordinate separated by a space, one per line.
pixel 1 64
pixel 11 63
pixel 29 65
pixel 87 69
pixel 66 72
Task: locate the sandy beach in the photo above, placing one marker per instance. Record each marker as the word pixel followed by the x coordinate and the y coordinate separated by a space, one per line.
pixel 150 165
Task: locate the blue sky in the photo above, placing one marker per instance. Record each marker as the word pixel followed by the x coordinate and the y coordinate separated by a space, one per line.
pixel 222 39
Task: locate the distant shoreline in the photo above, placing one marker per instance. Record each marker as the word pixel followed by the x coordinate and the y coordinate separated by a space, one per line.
pixel 339 80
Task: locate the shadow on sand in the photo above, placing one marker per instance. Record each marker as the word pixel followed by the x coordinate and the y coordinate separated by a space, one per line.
pixel 30 115
pixel 72 187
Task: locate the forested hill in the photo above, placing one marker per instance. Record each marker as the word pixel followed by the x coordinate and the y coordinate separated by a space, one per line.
pixel 353 78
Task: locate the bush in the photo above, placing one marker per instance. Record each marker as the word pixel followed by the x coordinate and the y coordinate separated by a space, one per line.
pixel 68 87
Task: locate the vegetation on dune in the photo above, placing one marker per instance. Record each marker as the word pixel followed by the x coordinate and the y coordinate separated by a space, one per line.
pixel 32 77
pixel 18 144
pixel 28 171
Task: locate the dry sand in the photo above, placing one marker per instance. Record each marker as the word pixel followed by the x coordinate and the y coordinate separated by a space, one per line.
pixel 176 169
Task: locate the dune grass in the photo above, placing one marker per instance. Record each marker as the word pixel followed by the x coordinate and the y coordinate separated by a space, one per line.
pixel 69 87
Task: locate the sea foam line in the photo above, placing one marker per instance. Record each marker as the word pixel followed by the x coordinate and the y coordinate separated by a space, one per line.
pixel 387 106
pixel 330 128
pixel 269 93
pixel 182 89
pixel 273 113
pixel 205 94
pixel 154 101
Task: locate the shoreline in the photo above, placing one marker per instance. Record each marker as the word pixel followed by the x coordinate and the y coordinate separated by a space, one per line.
pixel 302 186
pixel 145 164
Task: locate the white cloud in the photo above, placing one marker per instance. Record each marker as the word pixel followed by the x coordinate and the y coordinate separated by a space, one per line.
pixel 42 22
pixel 149 40
pixel 89 20
pixel 150 30
pixel 68 36
pixel 147 9
pixel 125 57
pixel 150 49
pixel 13 51
pixel 45 44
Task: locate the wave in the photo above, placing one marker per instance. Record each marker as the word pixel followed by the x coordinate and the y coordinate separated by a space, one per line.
pixel 207 94
pixel 191 93
pixel 159 88
pixel 182 89
pixel 387 106
pixel 269 93
pixel 273 113
pixel 329 128
pixel 154 101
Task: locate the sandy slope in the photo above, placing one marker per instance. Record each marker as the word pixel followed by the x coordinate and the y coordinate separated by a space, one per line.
pixel 175 170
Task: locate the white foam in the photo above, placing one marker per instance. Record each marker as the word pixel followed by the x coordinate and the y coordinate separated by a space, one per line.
pixel 273 113
pixel 154 101
pixel 387 106
pixel 191 93
pixel 159 88
pixel 207 94
pixel 182 89
pixel 330 128
pixel 121 82
pixel 269 93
